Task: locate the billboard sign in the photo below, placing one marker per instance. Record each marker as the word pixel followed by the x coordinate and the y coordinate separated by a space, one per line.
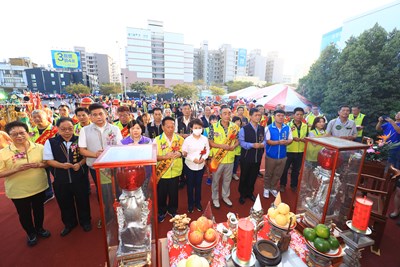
pixel 66 59
pixel 242 57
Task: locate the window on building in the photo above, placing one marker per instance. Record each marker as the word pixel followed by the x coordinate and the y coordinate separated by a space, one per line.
pixel 62 83
pixel 62 75
pixel 53 82
pixel 34 84
pixel 52 75
pixel 33 76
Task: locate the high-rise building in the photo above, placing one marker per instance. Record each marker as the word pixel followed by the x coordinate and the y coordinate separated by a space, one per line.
pixel 12 77
pixel 158 57
pixel 219 66
pixel 256 65
pixel 274 68
pixel 386 16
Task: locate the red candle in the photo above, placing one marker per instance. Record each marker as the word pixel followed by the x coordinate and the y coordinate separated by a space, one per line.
pixel 361 214
pixel 245 239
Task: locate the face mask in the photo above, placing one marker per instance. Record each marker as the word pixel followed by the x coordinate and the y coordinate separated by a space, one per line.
pixel 197 131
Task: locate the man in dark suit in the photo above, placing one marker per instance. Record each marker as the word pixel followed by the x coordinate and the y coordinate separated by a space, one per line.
pixel 206 117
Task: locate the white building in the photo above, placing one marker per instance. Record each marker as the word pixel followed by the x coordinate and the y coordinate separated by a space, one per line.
pixel 256 65
pixel 274 68
pixel 12 77
pixel 386 16
pixel 158 57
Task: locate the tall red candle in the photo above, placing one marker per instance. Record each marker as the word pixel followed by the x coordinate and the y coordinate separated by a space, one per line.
pixel 245 239
pixel 361 214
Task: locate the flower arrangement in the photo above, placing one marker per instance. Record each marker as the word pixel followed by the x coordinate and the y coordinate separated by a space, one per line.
pixel 74 146
pixel 18 155
pixel 379 151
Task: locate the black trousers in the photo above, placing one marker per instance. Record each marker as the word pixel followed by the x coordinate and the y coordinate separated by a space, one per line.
pixel 248 176
pixel 73 200
pixel 167 193
pixel 28 205
pixel 294 159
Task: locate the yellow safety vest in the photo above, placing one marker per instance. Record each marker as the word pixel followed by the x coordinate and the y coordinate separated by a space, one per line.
pixel 297 147
pixel 358 121
pixel 163 148
pixel 312 151
pixel 220 138
pixel 310 118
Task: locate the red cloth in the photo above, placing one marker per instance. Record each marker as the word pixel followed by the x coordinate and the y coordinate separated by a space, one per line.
pixel 177 253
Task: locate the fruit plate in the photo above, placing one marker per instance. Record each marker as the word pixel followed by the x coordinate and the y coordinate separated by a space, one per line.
pixel 273 222
pixel 204 245
pixel 337 253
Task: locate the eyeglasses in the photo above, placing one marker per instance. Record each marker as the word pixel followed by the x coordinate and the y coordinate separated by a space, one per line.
pixel 16 134
pixel 66 129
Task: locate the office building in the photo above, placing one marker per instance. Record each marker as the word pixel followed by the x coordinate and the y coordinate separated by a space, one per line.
pixel 386 16
pixel 256 65
pixel 158 57
pixel 12 77
pixel 274 68
pixel 52 82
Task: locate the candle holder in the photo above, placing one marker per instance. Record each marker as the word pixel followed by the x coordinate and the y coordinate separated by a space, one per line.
pixel 355 240
pixel 240 263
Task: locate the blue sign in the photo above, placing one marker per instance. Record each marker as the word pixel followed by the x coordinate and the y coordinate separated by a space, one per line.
pixel 66 59
pixel 242 57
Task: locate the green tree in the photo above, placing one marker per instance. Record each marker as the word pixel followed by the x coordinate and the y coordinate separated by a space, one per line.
pixel 186 91
pixel 77 88
pixel 110 88
pixel 314 85
pixel 217 91
pixel 237 85
pixel 155 90
pixel 139 87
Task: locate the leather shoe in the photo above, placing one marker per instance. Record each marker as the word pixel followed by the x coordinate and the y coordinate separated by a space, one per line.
pixel 87 227
pixel 43 233
pixel 394 215
pixel 32 240
pixel 65 231
pixel 242 200
pixel 252 198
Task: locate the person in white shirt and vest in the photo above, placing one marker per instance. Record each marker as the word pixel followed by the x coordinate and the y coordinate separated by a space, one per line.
pixel 359 120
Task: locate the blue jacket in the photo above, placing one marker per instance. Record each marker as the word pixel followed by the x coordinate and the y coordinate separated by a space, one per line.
pixel 277 151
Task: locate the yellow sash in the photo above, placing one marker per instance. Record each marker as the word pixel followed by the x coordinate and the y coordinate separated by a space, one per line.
pixel 221 153
pixel 165 164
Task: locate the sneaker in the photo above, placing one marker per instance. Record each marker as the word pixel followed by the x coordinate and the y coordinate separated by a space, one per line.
pixel 216 203
pixel 32 240
pixel 99 224
pixel 161 217
pixel 266 193
pixel 227 201
pixel 49 198
pixel 199 207
pixel 208 181
pixel 282 188
pixel 43 233
pixel 235 177
pixel 274 192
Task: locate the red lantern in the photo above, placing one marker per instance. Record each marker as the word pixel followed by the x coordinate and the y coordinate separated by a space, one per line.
pixel 326 157
pixel 130 178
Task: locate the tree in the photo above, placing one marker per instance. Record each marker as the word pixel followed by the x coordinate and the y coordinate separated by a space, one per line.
pixel 155 90
pixel 185 91
pixel 140 87
pixel 237 85
pixel 77 88
pixel 110 89
pixel 314 85
pixel 217 91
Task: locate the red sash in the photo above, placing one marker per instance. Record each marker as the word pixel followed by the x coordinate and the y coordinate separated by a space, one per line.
pixel 47 134
pixel 125 131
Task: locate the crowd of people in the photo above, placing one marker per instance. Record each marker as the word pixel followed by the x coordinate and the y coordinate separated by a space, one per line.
pixel 194 139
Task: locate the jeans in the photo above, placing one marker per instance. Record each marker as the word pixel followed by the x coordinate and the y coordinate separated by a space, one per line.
pixel 25 206
pixel 394 158
pixel 194 186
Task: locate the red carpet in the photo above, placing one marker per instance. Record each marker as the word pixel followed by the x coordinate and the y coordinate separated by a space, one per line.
pixel 87 249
